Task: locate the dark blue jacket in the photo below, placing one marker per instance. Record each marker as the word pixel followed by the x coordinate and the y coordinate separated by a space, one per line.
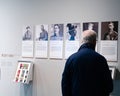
pixel 86 73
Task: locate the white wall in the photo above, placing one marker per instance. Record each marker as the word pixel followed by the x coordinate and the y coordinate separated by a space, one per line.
pixel 47 73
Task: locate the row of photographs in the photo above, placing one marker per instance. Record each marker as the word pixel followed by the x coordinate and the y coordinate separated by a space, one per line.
pixel 70 31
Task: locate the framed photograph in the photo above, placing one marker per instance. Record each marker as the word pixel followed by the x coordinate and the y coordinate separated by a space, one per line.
pixel 109 30
pixel 91 26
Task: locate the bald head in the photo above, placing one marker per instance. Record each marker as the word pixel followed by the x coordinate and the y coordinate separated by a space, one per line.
pixel 89 36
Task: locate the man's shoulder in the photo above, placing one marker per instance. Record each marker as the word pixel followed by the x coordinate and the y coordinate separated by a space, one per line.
pixel 73 56
pixel 87 53
pixel 100 57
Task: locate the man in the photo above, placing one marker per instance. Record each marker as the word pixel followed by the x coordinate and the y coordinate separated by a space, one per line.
pixel 86 72
pixel 111 35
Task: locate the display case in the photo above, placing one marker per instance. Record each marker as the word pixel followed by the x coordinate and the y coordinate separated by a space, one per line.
pixel 24 72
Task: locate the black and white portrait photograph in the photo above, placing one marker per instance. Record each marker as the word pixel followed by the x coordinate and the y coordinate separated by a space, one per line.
pixel 27 33
pixel 91 26
pixel 42 32
pixel 109 30
pixel 56 31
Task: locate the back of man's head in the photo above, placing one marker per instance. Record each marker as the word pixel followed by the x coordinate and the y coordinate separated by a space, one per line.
pixel 89 36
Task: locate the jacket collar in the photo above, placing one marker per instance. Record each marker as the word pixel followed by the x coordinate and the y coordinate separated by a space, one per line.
pixel 87 45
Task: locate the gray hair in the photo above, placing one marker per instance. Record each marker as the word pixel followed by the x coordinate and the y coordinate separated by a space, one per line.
pixel 89 36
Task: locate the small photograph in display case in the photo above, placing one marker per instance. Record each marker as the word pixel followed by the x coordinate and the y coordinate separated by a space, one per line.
pixel 112 70
pixel 24 72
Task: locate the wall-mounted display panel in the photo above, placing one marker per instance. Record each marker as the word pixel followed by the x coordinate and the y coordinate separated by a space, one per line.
pixel 27 41
pixel 72 38
pixel 41 41
pixel 56 41
pixel 109 40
